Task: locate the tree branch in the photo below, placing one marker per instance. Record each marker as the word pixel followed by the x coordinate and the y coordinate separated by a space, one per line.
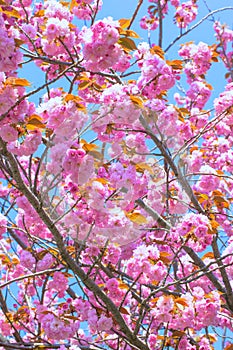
pixel 135 13
pixel 196 25
pixel 183 181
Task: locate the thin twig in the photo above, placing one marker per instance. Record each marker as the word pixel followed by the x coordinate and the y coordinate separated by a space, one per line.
pixel 197 24
pixel 135 13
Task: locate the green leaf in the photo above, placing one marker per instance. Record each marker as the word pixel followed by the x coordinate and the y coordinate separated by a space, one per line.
pixel 127 44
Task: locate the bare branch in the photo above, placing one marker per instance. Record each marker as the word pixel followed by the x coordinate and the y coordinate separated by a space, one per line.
pixel 197 25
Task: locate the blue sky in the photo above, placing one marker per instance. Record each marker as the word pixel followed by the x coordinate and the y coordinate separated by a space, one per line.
pixel 124 8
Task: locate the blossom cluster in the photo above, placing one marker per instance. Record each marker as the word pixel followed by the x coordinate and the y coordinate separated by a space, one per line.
pixel 101 49
pixel 156 74
pixel 10 56
pixel 186 13
pixel 116 188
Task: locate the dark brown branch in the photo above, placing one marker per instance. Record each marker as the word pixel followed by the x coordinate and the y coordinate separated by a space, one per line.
pixel 6 311
pixel 135 13
pixel 223 272
pixel 160 24
pixel 16 238
pixel 30 275
pixel 161 221
pixel 204 268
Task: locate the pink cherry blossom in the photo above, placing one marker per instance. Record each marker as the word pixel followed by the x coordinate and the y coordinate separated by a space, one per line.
pixel 116 187
pixel 3 224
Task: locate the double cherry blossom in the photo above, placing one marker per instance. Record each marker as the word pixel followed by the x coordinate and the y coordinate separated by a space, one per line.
pixel 116 178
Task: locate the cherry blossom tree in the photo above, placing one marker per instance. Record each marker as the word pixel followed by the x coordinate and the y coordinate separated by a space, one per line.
pixel 116 178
